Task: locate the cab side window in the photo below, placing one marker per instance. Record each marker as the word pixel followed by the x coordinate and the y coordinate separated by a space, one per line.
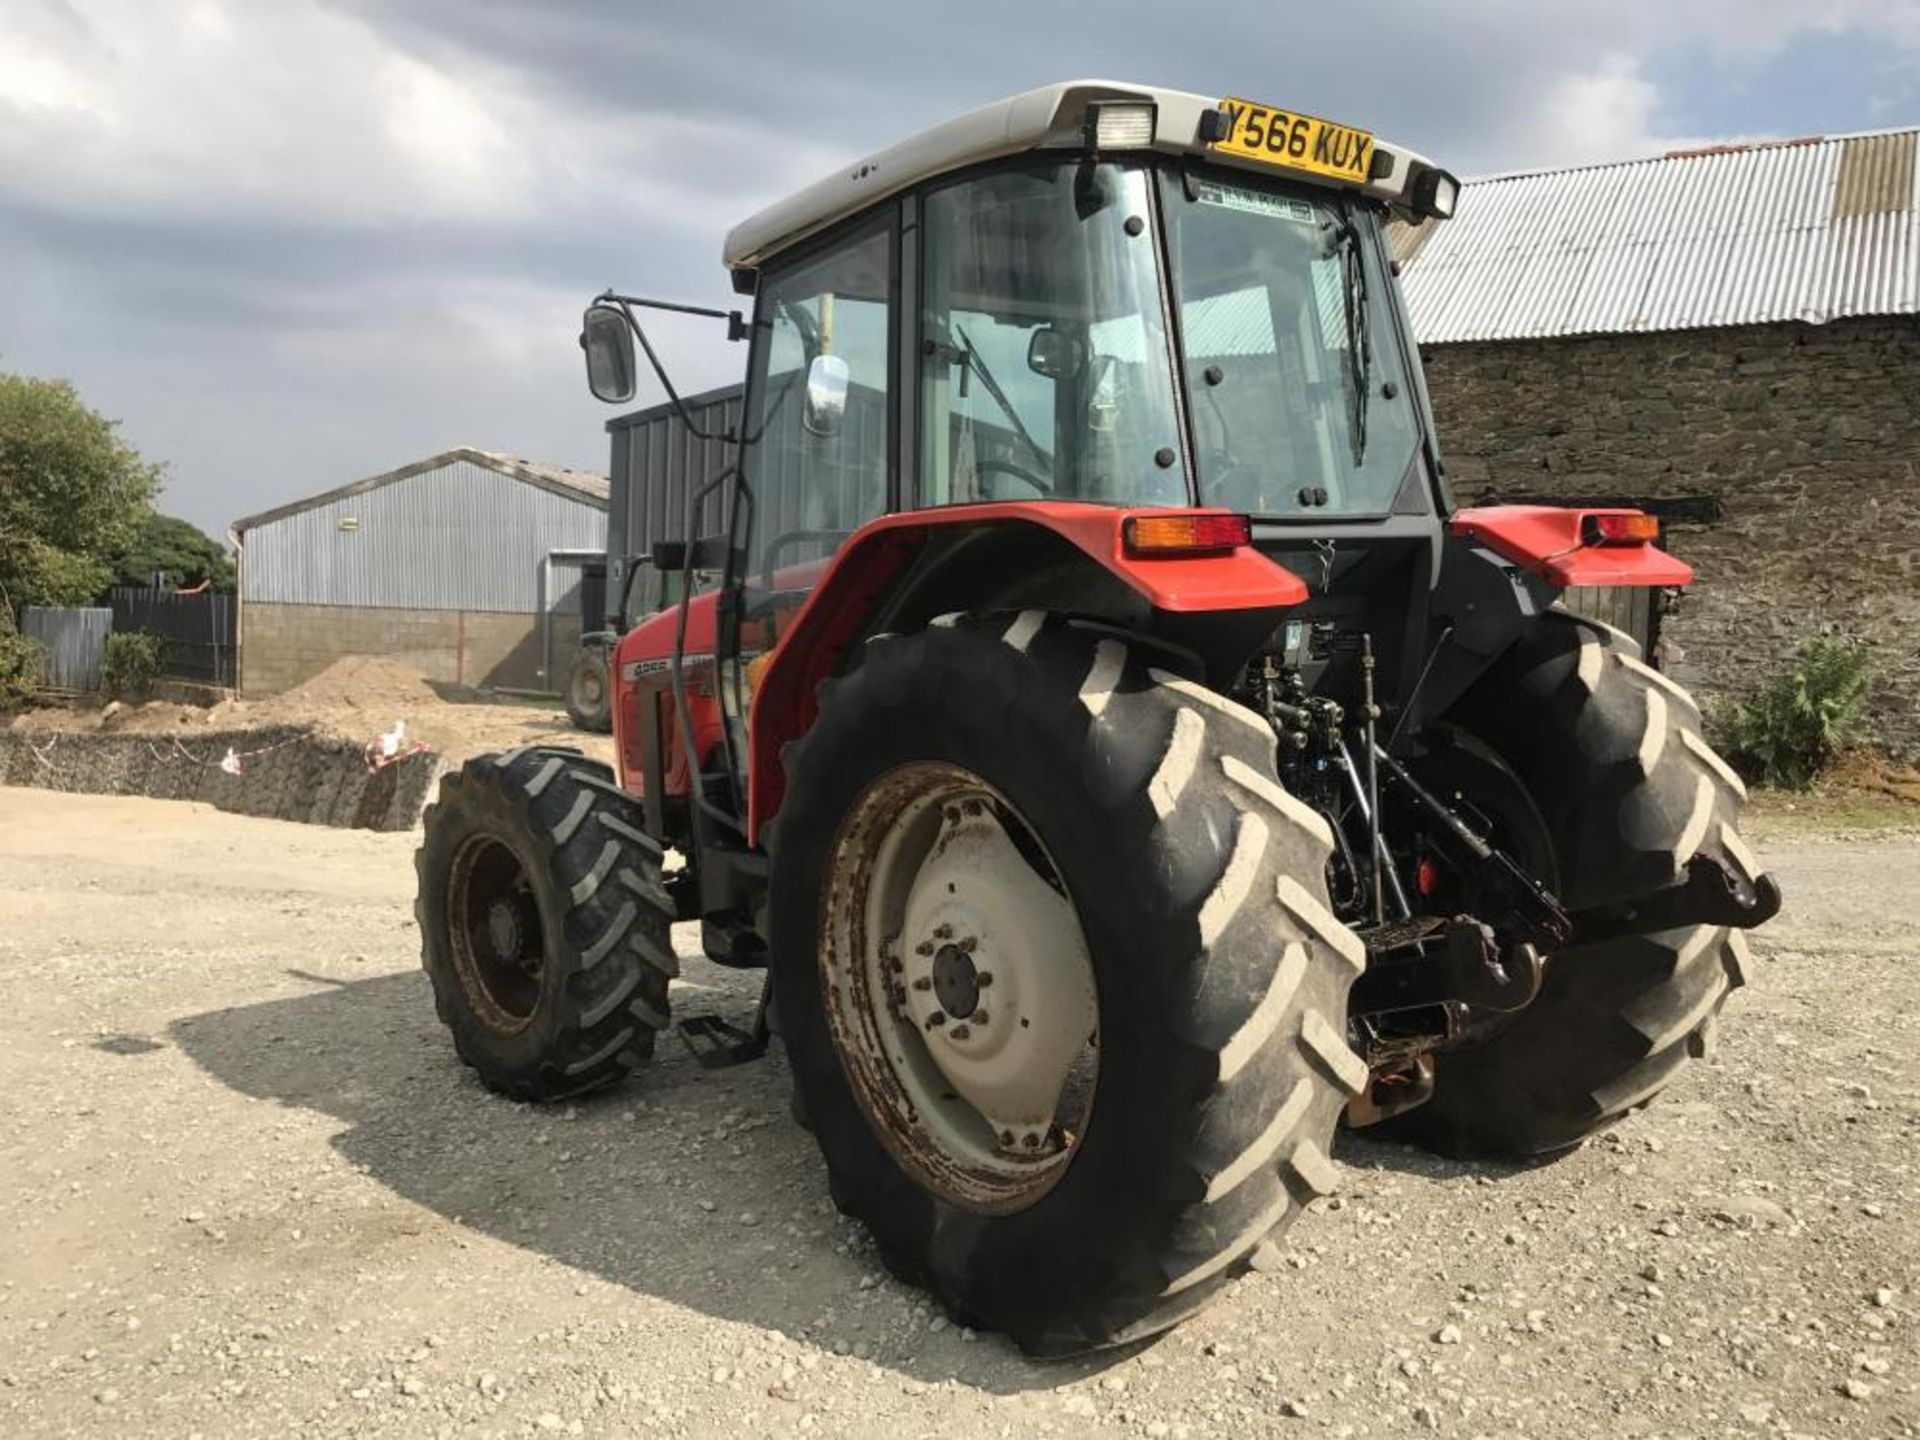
pixel 815 478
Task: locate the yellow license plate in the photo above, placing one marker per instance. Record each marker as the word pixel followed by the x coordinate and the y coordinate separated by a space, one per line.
pixel 1294 141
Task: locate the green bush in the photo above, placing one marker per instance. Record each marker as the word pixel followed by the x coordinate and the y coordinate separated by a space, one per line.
pixel 133 662
pixel 22 664
pixel 1792 730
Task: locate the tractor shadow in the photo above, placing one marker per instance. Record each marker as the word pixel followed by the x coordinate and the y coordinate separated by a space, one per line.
pixel 692 1186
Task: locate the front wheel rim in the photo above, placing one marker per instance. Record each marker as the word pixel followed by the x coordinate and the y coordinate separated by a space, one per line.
pixel 494 926
pixel 958 987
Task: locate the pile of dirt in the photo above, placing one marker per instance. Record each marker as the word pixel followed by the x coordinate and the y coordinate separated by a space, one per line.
pixel 362 682
pixel 1869 770
pixel 358 698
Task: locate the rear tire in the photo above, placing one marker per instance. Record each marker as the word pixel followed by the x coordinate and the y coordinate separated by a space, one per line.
pixel 589 697
pixel 1220 974
pixel 543 924
pixel 1612 753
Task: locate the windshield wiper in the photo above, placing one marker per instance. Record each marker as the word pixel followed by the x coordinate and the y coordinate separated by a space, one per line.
pixel 966 355
pixel 1353 289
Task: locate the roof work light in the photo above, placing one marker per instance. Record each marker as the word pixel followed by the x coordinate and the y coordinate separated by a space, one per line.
pixel 1119 124
pixel 1434 194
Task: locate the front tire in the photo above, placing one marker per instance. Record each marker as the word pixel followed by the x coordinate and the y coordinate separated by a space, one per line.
pixel 544 928
pixel 1219 976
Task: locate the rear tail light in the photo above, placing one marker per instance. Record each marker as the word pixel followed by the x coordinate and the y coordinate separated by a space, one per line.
pixel 1632 528
pixel 1186 534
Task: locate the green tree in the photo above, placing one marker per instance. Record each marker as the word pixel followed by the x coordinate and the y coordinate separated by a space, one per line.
pixel 170 546
pixel 73 494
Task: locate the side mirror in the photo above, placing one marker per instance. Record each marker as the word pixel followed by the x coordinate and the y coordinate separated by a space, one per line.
pixel 608 341
pixel 826 402
pixel 1054 353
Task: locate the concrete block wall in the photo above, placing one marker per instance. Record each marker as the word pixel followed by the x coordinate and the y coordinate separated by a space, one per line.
pixel 283 645
pixel 1807 436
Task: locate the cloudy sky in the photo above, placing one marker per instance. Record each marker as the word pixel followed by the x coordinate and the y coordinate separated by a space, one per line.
pixel 291 243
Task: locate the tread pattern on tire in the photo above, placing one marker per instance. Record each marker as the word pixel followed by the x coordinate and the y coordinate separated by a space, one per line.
pixel 598 873
pixel 1175 771
pixel 1277 1043
pixel 1613 752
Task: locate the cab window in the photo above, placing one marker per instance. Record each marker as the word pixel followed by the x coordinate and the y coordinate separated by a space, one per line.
pixel 816 476
pixel 1044 365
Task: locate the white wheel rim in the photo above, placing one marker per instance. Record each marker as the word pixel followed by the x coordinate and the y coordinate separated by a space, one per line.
pixel 933 906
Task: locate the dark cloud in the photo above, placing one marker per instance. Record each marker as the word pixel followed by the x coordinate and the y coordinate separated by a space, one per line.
pixel 295 244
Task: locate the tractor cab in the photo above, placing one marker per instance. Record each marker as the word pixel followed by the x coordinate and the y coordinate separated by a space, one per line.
pixel 1088 295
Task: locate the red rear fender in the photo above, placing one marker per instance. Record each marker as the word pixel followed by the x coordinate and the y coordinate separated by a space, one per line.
pixel 1553 542
pixel 872 559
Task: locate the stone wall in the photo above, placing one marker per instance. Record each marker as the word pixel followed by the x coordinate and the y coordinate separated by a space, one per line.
pixel 282 645
pixel 1808 438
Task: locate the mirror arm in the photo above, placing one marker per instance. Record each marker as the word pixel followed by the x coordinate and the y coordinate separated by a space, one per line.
pixel 624 304
pixel 737 326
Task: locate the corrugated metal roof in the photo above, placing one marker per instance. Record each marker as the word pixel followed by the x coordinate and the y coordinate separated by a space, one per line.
pixel 572 484
pixel 590 483
pixel 1810 230
pixel 457 535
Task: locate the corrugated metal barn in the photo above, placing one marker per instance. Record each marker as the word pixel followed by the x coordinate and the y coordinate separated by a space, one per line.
pixel 1731 338
pixel 465 566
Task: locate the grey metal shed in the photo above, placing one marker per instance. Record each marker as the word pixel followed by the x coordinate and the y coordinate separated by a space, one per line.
pixel 465 565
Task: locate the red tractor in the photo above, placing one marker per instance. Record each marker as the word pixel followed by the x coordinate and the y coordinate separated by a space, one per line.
pixel 1094 713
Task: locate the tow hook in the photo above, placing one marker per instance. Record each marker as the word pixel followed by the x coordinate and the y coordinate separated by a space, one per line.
pixel 1391 1092
pixel 1468 965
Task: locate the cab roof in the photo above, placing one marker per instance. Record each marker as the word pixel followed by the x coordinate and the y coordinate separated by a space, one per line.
pixel 1051 117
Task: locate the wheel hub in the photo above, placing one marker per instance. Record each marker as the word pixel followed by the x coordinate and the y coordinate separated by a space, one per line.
pixel 956 981
pixel 506 928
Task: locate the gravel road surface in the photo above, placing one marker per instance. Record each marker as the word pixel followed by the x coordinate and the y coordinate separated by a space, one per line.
pixel 245 1189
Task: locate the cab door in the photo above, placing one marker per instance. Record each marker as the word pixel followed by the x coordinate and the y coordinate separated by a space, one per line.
pixel 818 432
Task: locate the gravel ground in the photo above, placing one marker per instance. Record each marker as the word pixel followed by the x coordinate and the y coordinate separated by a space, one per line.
pixel 245 1189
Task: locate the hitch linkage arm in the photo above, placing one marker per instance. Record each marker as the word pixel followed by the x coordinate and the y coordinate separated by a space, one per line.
pixel 1537 910
pixel 1712 893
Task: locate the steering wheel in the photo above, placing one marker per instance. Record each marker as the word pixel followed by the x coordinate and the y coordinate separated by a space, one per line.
pixel 1041 484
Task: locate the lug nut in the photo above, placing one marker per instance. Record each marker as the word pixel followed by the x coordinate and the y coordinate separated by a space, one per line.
pixel 967 945
pixel 1031 1140
pixel 943 932
pixel 925 947
pixel 960 1032
pixel 923 983
pixel 979 1017
pixel 935 1020
pixel 1006 1137
pixel 983 979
